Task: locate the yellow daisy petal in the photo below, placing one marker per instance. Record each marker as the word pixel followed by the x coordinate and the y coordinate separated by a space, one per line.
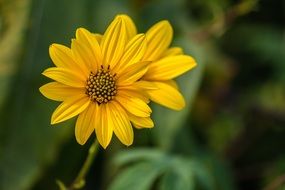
pixel 145 85
pixel 131 27
pixel 92 49
pixel 104 125
pixel 134 52
pixel 173 51
pixel 144 122
pixel 133 105
pixel 63 57
pixel 132 73
pixel 98 37
pixel 122 126
pixel 167 96
pixel 137 126
pixel 113 42
pixel 169 67
pixel 172 83
pixel 70 108
pixel 59 92
pixel 85 123
pixel 136 92
pixel 83 55
pixel 159 38
pixel 65 76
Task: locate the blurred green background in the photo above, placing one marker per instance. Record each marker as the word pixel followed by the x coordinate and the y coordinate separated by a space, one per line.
pixel 230 136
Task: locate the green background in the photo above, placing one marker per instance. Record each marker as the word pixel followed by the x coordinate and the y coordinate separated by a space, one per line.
pixel 229 136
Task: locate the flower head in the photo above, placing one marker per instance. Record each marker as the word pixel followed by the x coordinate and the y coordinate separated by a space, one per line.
pixel 98 80
pixel 166 64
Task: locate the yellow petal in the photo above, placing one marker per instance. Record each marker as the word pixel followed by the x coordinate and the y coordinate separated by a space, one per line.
pixel 59 92
pixel 134 52
pixel 91 48
pixel 136 92
pixel 98 37
pixel 70 108
pixel 132 104
pixel 144 122
pixel 122 126
pixel 173 51
pixel 169 67
pixel 65 76
pixel 63 57
pixel 137 126
pixel 167 96
pixel 144 85
pixel 114 41
pixel 159 38
pixel 104 125
pixel 85 123
pixel 84 56
pixel 172 83
pixel 131 27
pixel 132 73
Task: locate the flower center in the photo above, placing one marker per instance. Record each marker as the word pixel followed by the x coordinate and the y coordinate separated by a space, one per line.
pixel 101 87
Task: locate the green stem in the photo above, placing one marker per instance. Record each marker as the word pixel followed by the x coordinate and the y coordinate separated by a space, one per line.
pixel 79 181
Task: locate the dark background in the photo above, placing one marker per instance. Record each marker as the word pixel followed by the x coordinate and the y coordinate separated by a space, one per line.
pixel 231 135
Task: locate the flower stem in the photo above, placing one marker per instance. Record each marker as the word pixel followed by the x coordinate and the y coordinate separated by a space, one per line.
pixel 79 181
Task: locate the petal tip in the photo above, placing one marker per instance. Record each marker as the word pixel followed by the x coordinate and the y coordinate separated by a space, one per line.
pixel 80 141
pixel 104 146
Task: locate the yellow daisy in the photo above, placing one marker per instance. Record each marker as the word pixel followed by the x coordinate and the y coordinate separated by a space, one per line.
pixel 166 64
pixel 97 79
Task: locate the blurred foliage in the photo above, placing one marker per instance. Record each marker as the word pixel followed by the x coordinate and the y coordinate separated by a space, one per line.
pixel 229 136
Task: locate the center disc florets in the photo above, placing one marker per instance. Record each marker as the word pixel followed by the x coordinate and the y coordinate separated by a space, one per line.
pixel 101 87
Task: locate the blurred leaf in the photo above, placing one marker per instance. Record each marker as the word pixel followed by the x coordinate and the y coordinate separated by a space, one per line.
pixel 202 175
pixel 179 177
pixel 138 177
pixel 127 156
pixel 174 172
pixel 28 143
pixel 175 180
pixel 13 24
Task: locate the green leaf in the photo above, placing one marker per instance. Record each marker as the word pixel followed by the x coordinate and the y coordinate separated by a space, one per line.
pixel 139 154
pixel 179 177
pixel 138 177
pixel 202 174
pixel 174 181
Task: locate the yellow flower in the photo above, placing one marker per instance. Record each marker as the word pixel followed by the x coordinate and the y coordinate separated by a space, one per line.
pixel 166 64
pixel 97 79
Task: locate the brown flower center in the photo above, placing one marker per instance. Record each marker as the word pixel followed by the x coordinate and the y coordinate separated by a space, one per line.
pixel 101 87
